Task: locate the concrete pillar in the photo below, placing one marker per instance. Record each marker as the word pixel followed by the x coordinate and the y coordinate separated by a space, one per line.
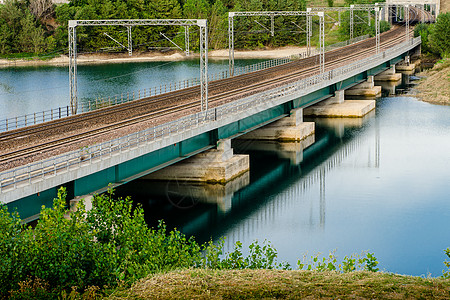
pixel 338 98
pixel 87 199
pixel 292 151
pixel 366 89
pixel 188 194
pixel 389 86
pixel 288 129
pixel 334 107
pixel 389 75
pixel 406 67
pixel 215 166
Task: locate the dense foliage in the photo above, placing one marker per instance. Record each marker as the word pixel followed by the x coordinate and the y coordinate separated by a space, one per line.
pixel 435 37
pixel 111 245
pixel 39 26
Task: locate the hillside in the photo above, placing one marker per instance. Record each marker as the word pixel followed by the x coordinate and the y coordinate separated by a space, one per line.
pixel 434 87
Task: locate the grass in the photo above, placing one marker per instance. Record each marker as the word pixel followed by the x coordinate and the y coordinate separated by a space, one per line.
pixel 257 284
pixel 435 86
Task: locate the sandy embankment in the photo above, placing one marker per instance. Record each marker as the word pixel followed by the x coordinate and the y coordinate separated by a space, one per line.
pixel 434 87
pixel 63 60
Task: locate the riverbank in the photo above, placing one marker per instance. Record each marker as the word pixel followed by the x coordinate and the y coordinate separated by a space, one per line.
pixel 434 87
pixel 63 60
pixel 257 284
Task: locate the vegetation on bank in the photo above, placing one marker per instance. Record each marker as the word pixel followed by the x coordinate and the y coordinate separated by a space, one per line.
pixel 435 37
pixel 110 248
pixel 434 87
pixel 39 26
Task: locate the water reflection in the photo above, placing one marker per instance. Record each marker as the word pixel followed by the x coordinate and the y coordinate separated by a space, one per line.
pixel 286 150
pixel 388 88
pixel 281 175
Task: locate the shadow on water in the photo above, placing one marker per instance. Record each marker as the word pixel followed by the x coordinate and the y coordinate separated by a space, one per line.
pixel 209 210
pixel 360 184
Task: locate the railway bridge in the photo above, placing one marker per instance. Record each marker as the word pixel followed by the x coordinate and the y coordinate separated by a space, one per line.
pixel 90 152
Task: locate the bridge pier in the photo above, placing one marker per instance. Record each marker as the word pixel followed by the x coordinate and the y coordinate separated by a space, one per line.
pixel 366 89
pixel 287 129
pixel 215 166
pixel 406 67
pixel 389 86
pixel 188 194
pixel 87 199
pixel 389 75
pixel 293 151
pixel 337 107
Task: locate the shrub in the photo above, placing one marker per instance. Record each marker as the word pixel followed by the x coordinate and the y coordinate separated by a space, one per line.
pixel 440 35
pixel 446 274
pixel 109 244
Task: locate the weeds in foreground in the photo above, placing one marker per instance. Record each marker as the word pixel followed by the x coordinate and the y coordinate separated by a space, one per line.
pixel 82 253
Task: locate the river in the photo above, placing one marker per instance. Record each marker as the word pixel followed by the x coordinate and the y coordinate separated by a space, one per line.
pixel 379 184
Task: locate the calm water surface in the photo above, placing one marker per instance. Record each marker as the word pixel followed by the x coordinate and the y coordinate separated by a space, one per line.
pixel 380 184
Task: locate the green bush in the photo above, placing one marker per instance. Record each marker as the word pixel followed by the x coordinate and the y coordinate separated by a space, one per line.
pixel 446 274
pixel 65 255
pixel 440 35
pixel 109 244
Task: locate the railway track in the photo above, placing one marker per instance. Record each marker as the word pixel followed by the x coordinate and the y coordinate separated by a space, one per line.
pixel 163 105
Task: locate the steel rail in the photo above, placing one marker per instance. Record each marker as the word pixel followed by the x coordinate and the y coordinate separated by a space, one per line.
pixel 282 79
pixel 154 100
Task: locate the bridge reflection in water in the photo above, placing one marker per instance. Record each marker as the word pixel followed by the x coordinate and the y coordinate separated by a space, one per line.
pixel 284 179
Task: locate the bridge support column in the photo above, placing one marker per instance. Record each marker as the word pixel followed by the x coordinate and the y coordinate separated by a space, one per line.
pixel 389 75
pixel 87 199
pixel 215 166
pixel 334 107
pixel 288 129
pixel 366 89
pixel 188 194
pixel 406 67
pixel 293 151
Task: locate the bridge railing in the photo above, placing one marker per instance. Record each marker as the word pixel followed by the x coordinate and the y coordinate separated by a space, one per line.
pixel 40 170
pixel 62 112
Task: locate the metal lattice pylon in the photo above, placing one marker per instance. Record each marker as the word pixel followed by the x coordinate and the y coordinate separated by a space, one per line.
pixel 352 8
pixel 322 42
pixel 407 21
pixel 377 30
pixel 272 15
pixel 201 23
pixel 434 5
pixel 73 67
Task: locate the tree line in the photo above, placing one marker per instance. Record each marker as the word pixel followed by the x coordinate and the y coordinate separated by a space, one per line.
pixel 435 37
pixel 39 26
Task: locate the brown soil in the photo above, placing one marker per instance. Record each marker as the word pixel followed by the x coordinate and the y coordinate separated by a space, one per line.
pixel 435 86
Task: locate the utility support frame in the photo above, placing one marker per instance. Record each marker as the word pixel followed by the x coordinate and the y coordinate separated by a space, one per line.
pixel 201 23
pixel 272 15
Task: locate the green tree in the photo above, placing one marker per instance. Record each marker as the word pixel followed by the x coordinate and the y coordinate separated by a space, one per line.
pixel 218 25
pixel 440 35
pixel 423 30
pixel 196 9
pixel 11 14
